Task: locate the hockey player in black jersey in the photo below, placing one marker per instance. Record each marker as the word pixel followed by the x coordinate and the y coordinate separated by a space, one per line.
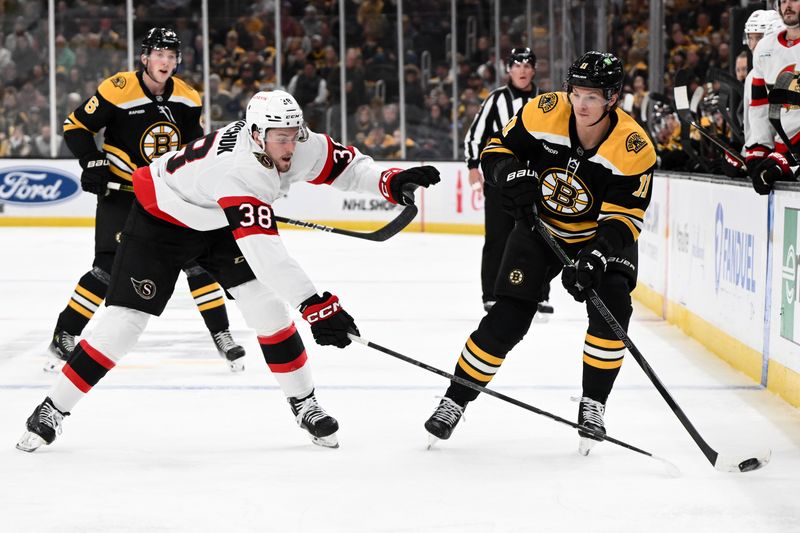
pixel 574 161
pixel 498 108
pixel 145 114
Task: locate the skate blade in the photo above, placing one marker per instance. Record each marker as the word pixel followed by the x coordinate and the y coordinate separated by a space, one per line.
pixel 541 318
pixel 585 445
pixel 326 442
pixel 431 441
pixel 30 442
pixel 53 364
pixel 236 366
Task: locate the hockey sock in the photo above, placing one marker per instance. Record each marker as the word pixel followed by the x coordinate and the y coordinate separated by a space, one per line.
pixel 209 298
pixel 85 367
pixel 87 297
pixel 602 360
pixel 499 331
pixel 286 357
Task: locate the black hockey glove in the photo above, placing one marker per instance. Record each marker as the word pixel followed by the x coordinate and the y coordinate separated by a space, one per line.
pixel 586 273
pixel 330 324
pixel 398 185
pixel 95 175
pixel 766 171
pixel 519 190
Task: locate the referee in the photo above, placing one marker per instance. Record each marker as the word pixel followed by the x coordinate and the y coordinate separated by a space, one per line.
pixel 498 108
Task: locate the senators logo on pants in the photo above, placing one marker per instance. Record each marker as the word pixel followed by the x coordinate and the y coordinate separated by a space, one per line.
pixel 146 289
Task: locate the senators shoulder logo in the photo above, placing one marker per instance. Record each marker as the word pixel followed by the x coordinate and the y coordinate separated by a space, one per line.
pixel 635 143
pixel 547 102
pixel 118 82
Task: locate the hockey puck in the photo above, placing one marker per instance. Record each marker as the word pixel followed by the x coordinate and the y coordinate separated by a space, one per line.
pixel 749 465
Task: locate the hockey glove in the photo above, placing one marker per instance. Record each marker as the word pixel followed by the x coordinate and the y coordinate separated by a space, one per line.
pixel 330 324
pixel 397 185
pixel 586 273
pixel 767 171
pixel 95 175
pixel 519 190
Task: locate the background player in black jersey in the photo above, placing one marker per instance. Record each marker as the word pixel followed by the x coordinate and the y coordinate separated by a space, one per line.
pixel 145 114
pixel 498 108
pixel 583 168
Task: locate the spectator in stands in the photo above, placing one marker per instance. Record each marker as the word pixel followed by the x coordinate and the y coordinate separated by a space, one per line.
pixel 65 57
pixel 311 92
pixel 311 22
pixel 360 124
pixel 19 142
pixel 41 143
pixel 317 54
pixel 741 66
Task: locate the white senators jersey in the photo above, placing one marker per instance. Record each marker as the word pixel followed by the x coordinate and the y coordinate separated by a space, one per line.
pixel 224 179
pixel 773 55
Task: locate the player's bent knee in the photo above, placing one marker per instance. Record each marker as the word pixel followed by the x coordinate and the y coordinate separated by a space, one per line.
pixel 117 331
pixel 261 308
pixel 506 323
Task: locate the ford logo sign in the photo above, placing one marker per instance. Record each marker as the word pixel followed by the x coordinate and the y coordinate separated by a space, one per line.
pixel 36 185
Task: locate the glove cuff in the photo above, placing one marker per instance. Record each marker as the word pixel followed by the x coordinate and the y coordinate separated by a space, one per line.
pixel 93 160
pixel 757 151
pixel 385 184
pixel 318 308
pixel 782 162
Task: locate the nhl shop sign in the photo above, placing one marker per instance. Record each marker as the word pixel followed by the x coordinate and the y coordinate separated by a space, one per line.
pixel 790 271
pixel 36 185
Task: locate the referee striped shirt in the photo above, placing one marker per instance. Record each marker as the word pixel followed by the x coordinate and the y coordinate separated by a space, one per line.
pixel 498 108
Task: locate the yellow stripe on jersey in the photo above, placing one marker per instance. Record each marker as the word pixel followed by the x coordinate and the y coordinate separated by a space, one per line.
pixel 72 123
pixel 472 372
pixel 204 290
pixel 613 208
pixel 628 148
pixel 182 90
pixel 127 176
pixel 121 155
pixel 88 295
pixel 547 114
pixel 573 226
pixel 634 230
pixel 121 88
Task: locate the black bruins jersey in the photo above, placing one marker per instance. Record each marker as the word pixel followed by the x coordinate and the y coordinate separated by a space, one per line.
pixel 139 127
pixel 583 192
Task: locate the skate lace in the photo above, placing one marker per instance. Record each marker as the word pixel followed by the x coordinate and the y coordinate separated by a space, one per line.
pixel 224 340
pixel 310 411
pixel 51 417
pixel 591 411
pixel 448 411
pixel 66 341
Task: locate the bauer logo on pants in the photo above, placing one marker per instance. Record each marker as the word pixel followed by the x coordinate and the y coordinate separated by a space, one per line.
pixel 145 288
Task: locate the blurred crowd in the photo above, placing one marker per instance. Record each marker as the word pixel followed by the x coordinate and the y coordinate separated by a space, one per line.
pixel 91 45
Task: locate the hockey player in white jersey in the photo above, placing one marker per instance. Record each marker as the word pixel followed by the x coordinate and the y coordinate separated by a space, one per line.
pixel 212 202
pixel 776 52
pixel 758 24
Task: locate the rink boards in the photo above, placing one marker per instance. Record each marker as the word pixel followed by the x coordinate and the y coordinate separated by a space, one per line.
pixel 716 259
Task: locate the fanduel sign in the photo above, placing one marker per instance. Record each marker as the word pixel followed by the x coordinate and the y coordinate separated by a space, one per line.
pixel 36 185
pixel 734 256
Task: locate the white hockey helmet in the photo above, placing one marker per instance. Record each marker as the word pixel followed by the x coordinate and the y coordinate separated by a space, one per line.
pixel 762 21
pixel 274 109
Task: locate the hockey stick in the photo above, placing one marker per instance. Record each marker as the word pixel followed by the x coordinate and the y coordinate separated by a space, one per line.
pixel 391 229
pixel 724 463
pixel 684 110
pixel 776 103
pixel 509 399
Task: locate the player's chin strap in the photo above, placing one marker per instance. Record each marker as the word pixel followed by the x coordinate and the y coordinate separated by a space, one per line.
pixel 720 462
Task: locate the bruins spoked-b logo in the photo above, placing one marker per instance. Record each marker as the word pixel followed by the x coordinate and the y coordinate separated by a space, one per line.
pixel 563 192
pixel 158 139
pixel 634 143
pixel 146 288
pixel 547 102
pixel 516 277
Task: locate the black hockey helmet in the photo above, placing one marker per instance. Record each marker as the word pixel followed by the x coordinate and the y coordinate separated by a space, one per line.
pixel 161 39
pixel 521 55
pixel 597 70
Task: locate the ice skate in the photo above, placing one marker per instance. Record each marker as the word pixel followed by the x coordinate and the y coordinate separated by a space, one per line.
pixel 58 352
pixel 321 426
pixel 544 310
pixel 590 416
pixel 488 305
pixel 229 350
pixel 443 420
pixel 42 426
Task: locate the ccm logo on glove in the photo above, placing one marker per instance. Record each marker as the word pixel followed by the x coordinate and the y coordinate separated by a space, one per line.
pixel 314 313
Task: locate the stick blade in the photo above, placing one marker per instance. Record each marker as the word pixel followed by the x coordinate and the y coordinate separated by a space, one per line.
pixel 681 97
pixel 739 463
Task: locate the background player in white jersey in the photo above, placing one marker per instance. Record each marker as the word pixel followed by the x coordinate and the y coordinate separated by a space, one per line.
pixel 759 23
pixel 775 53
pixel 582 167
pixel 143 115
pixel 212 202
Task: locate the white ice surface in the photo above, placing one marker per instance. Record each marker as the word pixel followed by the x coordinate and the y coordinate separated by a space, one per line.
pixel 171 441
